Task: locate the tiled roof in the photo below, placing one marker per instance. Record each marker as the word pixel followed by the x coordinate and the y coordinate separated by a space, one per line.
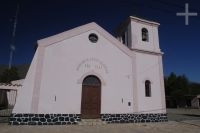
pixel 9 86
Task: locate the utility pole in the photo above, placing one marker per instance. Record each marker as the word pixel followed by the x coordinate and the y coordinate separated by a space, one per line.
pixel 12 45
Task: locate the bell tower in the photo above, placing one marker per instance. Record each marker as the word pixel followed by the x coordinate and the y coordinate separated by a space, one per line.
pixel 139 34
pixel 141 37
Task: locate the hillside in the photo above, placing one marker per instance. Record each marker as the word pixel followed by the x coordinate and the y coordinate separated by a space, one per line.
pixel 22 69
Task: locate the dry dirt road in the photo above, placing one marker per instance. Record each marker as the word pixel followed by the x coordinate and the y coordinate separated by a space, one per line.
pixel 166 127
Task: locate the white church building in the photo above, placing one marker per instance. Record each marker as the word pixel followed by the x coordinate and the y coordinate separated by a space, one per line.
pixel 86 73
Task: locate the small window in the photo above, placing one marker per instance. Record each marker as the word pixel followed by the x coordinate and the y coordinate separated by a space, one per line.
pixel 93 38
pixel 148 88
pixel 125 38
pixel 145 35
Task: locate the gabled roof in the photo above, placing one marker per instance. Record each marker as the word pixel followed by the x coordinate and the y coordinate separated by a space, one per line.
pixel 82 29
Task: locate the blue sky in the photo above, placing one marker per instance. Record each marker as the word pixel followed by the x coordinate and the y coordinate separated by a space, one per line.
pixel 40 19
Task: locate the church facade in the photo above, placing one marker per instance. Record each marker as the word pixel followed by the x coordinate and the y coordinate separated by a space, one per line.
pixel 86 73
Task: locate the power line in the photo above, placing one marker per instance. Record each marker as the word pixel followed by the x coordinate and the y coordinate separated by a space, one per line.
pixel 12 45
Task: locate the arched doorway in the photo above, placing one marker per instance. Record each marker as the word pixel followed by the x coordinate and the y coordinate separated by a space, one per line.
pixel 91 97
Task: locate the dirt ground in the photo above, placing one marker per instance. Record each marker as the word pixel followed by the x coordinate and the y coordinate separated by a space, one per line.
pixel 180 121
pixel 167 127
pixel 183 114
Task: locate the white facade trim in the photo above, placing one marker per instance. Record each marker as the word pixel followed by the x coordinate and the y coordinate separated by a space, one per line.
pixel 80 81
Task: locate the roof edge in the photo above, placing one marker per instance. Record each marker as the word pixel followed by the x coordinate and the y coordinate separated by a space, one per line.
pixel 144 20
pixel 79 30
pixel 64 35
pixel 148 51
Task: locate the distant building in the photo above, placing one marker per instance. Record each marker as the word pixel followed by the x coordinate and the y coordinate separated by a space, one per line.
pixel 8 93
pixel 86 73
pixel 196 102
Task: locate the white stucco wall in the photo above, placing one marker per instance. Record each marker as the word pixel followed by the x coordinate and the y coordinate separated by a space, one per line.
pixel 54 81
pixel 148 69
pixel 11 95
pixel 137 43
pixel 148 65
pixel 66 62
pixel 24 95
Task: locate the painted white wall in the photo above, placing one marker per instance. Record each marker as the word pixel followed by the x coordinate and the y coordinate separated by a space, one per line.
pixel 122 73
pixel 11 96
pixel 60 75
pixel 148 69
pixel 148 64
pixel 137 43
pixel 65 63
pixel 24 95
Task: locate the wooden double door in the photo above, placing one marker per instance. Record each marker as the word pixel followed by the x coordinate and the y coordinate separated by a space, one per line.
pixel 91 98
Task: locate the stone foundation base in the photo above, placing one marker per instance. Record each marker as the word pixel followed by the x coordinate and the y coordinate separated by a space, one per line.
pixel 133 118
pixel 44 119
pixel 64 119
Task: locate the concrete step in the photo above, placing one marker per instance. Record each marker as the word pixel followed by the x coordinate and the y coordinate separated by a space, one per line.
pixel 90 122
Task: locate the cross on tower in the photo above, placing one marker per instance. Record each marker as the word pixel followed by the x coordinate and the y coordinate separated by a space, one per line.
pixel 187 14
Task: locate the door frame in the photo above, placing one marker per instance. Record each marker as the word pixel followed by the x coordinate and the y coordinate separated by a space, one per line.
pixel 97 86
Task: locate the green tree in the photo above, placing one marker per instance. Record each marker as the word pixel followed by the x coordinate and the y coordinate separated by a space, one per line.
pixel 177 87
pixel 194 88
pixel 9 75
pixel 170 83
